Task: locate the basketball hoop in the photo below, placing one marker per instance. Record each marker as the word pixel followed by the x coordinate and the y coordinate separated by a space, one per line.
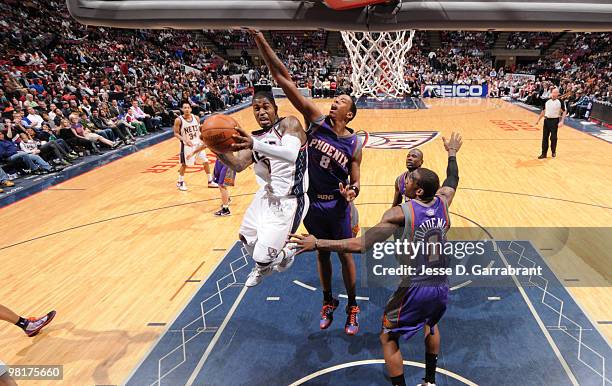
pixel 378 62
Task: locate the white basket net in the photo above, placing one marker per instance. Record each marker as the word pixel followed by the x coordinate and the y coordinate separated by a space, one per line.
pixel 378 60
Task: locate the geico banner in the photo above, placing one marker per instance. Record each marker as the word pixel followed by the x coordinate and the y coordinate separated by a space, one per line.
pixel 455 90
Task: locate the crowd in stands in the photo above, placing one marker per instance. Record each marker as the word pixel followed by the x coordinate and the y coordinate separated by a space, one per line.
pixel 530 40
pixel 310 64
pixel 68 91
pixel 460 60
pixel 299 42
pixel 582 69
pixel 471 43
pixel 230 39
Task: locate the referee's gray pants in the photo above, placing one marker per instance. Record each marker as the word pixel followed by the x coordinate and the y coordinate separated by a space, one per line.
pixel 551 125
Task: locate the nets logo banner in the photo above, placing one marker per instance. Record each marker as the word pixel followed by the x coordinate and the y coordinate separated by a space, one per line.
pixel 455 90
pixel 397 140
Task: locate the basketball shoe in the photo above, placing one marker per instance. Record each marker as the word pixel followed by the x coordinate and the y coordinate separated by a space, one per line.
pixel 257 275
pixel 181 185
pixel 327 313
pixel 36 324
pixel 224 211
pixel 287 256
pixel 352 320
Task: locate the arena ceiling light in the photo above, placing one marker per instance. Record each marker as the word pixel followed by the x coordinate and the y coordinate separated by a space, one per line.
pixel 521 15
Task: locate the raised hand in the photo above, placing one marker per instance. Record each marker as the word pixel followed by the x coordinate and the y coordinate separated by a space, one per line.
pixel 453 145
pixel 252 31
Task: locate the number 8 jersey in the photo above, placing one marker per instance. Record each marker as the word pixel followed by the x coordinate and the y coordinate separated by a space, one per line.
pixel 329 159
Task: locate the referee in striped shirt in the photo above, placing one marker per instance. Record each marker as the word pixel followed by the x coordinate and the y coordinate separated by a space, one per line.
pixel 554 114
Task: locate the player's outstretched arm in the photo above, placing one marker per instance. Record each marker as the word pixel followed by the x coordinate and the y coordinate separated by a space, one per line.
pixel 391 221
pixel 280 73
pixel 449 187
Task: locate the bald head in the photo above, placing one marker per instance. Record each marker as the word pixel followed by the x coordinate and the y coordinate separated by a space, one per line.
pixel 554 93
pixel 414 159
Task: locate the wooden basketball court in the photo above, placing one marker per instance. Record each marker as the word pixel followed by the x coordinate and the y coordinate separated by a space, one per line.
pixel 118 251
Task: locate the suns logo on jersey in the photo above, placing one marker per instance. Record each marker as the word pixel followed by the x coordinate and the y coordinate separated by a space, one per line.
pixel 398 139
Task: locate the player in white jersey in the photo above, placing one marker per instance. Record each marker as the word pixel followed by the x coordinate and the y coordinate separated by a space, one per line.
pixel 278 152
pixel 187 130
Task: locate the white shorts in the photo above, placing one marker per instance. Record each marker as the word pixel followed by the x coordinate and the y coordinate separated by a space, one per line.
pixel 188 157
pixel 2 368
pixel 269 220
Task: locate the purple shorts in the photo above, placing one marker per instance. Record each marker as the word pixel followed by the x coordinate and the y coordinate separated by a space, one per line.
pixel 223 175
pixel 410 308
pixel 332 220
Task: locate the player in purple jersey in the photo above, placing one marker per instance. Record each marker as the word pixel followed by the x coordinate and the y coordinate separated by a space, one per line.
pixel 224 177
pixel 414 160
pixel 334 159
pixel 420 301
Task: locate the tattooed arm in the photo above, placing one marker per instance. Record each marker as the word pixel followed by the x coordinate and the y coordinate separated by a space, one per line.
pixel 237 161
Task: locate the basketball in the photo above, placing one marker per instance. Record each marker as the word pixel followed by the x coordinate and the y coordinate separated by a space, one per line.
pixel 217 132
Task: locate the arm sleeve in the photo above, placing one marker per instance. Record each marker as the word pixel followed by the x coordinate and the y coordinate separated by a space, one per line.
pixel 452 173
pixel 312 126
pixel 288 151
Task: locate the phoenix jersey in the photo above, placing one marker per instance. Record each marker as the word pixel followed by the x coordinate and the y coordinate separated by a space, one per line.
pixel 329 158
pixel 426 227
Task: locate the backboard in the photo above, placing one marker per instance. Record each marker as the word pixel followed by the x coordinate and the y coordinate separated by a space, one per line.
pixel 521 15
